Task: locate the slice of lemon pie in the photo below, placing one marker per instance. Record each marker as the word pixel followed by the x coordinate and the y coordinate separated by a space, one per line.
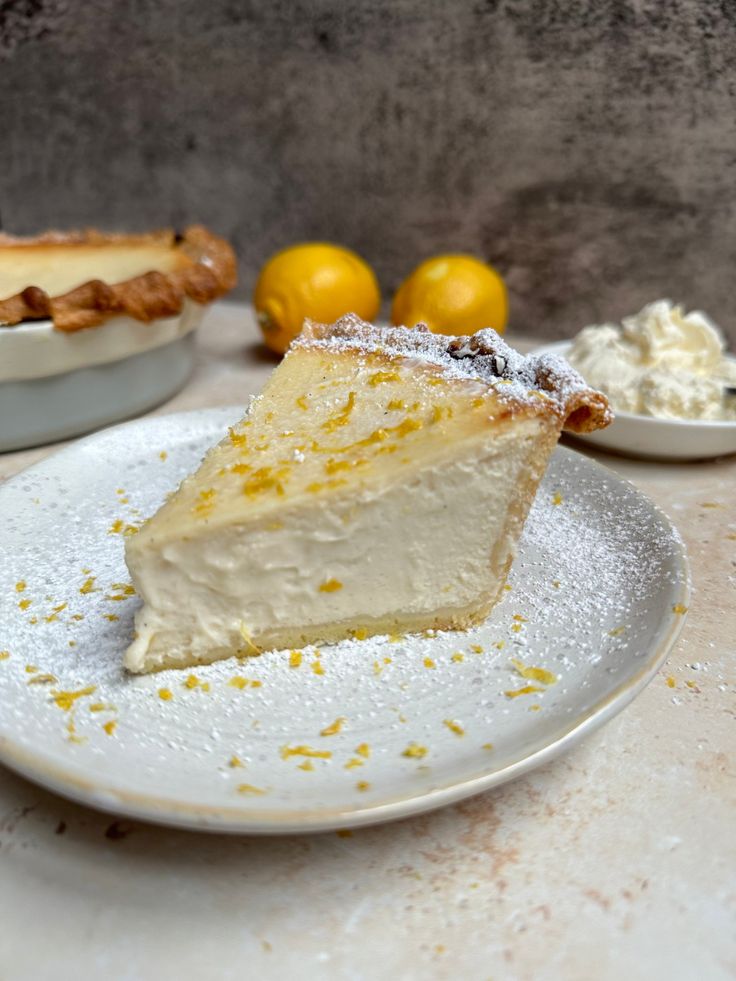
pixel 378 484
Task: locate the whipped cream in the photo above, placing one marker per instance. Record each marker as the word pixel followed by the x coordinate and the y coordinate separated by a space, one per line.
pixel 659 362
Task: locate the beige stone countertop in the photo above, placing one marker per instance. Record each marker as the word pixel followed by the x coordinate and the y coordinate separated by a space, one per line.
pixel 616 861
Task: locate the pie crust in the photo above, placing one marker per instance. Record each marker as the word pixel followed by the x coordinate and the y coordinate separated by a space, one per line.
pixel 198 265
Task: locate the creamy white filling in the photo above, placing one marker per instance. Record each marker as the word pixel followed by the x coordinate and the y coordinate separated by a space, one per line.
pixel 660 362
pixel 408 549
pixel 58 268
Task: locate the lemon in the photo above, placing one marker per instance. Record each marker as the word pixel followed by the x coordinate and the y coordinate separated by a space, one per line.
pixel 316 280
pixel 452 294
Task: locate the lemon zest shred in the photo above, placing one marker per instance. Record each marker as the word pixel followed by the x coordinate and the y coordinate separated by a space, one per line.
pixel 253 649
pixel 43 679
pixel 454 727
pixel 65 699
pixel 382 377
pixel 534 674
pixel 319 754
pixel 334 727
pixel 526 690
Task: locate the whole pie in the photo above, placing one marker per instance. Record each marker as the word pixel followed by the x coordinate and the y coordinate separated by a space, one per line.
pixel 82 279
pixel 379 484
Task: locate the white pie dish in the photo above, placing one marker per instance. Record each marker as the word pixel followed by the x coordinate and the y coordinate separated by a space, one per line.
pixel 55 385
pixel 657 439
pixel 597 596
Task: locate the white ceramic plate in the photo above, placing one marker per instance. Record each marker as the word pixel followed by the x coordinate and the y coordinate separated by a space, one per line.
pixel 597 598
pixel 657 439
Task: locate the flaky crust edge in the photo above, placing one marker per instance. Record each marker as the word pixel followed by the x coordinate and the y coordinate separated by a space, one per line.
pixel 208 271
pixel 580 408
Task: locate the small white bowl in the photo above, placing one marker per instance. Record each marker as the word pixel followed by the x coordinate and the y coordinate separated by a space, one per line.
pixel 657 439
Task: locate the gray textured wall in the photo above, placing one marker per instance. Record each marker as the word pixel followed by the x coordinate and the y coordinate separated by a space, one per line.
pixel 586 148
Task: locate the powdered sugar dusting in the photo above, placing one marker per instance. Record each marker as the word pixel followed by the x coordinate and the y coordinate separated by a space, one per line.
pixel 590 605
pixel 483 356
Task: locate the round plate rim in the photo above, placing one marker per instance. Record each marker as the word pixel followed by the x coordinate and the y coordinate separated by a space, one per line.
pixel 37 767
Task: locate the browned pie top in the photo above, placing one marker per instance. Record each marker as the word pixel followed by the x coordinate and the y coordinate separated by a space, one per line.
pixel 80 279
pixel 522 383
